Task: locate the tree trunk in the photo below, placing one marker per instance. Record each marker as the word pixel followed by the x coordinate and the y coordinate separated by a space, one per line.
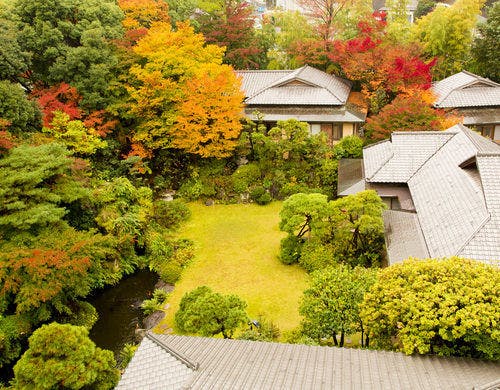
pixel 342 334
pixel 335 342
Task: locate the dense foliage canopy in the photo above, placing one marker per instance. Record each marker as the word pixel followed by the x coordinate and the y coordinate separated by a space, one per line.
pixel 63 356
pixel 441 306
pixel 210 313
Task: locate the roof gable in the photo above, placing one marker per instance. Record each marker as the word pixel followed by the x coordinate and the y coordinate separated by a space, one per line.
pixel 303 86
pixel 466 89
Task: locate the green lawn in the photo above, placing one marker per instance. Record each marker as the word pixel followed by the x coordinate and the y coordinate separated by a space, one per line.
pixel 236 252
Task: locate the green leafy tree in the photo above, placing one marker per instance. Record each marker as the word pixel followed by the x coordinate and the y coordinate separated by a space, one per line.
pixel 302 214
pixel 330 305
pixel 292 27
pixel 63 356
pixel 356 229
pixel 14 61
pixel 398 25
pixel 13 329
pixel 209 313
pixel 441 306
pixel 446 33
pixel 424 7
pixel 78 138
pixel 19 114
pixel 181 10
pixel 351 227
pixel 348 147
pixel 486 45
pixel 36 183
pixel 70 41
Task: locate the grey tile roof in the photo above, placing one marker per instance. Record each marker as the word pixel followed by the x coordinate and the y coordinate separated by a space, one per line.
pixel 152 367
pixel 239 364
pixel 465 89
pixel 375 156
pixel 485 241
pixel 303 86
pixel 253 81
pixel 405 159
pixel 404 236
pixel 457 207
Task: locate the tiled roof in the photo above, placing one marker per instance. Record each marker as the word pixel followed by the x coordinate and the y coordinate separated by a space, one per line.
pixel 404 236
pixel 255 80
pixel 303 86
pixel 240 364
pixel 465 89
pixel 152 367
pixel 450 206
pixel 458 208
pixel 405 159
pixel 375 156
pixel 485 241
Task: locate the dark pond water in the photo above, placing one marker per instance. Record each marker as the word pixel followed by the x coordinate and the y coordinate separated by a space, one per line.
pixel 119 310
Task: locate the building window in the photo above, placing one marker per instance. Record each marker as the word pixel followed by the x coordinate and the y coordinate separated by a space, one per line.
pixel 337 131
pixel 391 202
pixel 315 128
pixel 486 131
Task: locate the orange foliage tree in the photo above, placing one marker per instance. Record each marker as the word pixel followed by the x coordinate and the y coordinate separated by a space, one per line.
pixel 181 80
pixel 208 121
pixel 41 281
pixel 409 112
pixel 140 14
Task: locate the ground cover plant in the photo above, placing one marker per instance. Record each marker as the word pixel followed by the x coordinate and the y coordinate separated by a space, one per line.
pixel 236 248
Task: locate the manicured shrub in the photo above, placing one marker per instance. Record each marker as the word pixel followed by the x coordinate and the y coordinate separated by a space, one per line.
pixel 170 272
pixel 209 313
pixel 290 249
pixel 171 214
pixel 260 196
pixel 316 256
pixel 245 177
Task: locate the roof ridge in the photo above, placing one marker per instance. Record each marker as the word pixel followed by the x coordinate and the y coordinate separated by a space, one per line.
pixel 376 143
pixel 194 366
pixel 422 132
pixel 278 82
pixel 452 134
pixel 473 137
pixel 480 78
pixel 382 165
pixel 475 232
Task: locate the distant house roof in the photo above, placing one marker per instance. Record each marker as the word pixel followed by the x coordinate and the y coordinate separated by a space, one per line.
pixel 454 181
pixel 466 89
pixel 182 362
pixel 304 86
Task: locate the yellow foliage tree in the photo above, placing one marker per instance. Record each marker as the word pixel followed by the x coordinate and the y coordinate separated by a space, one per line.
pixel 182 96
pixel 446 33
